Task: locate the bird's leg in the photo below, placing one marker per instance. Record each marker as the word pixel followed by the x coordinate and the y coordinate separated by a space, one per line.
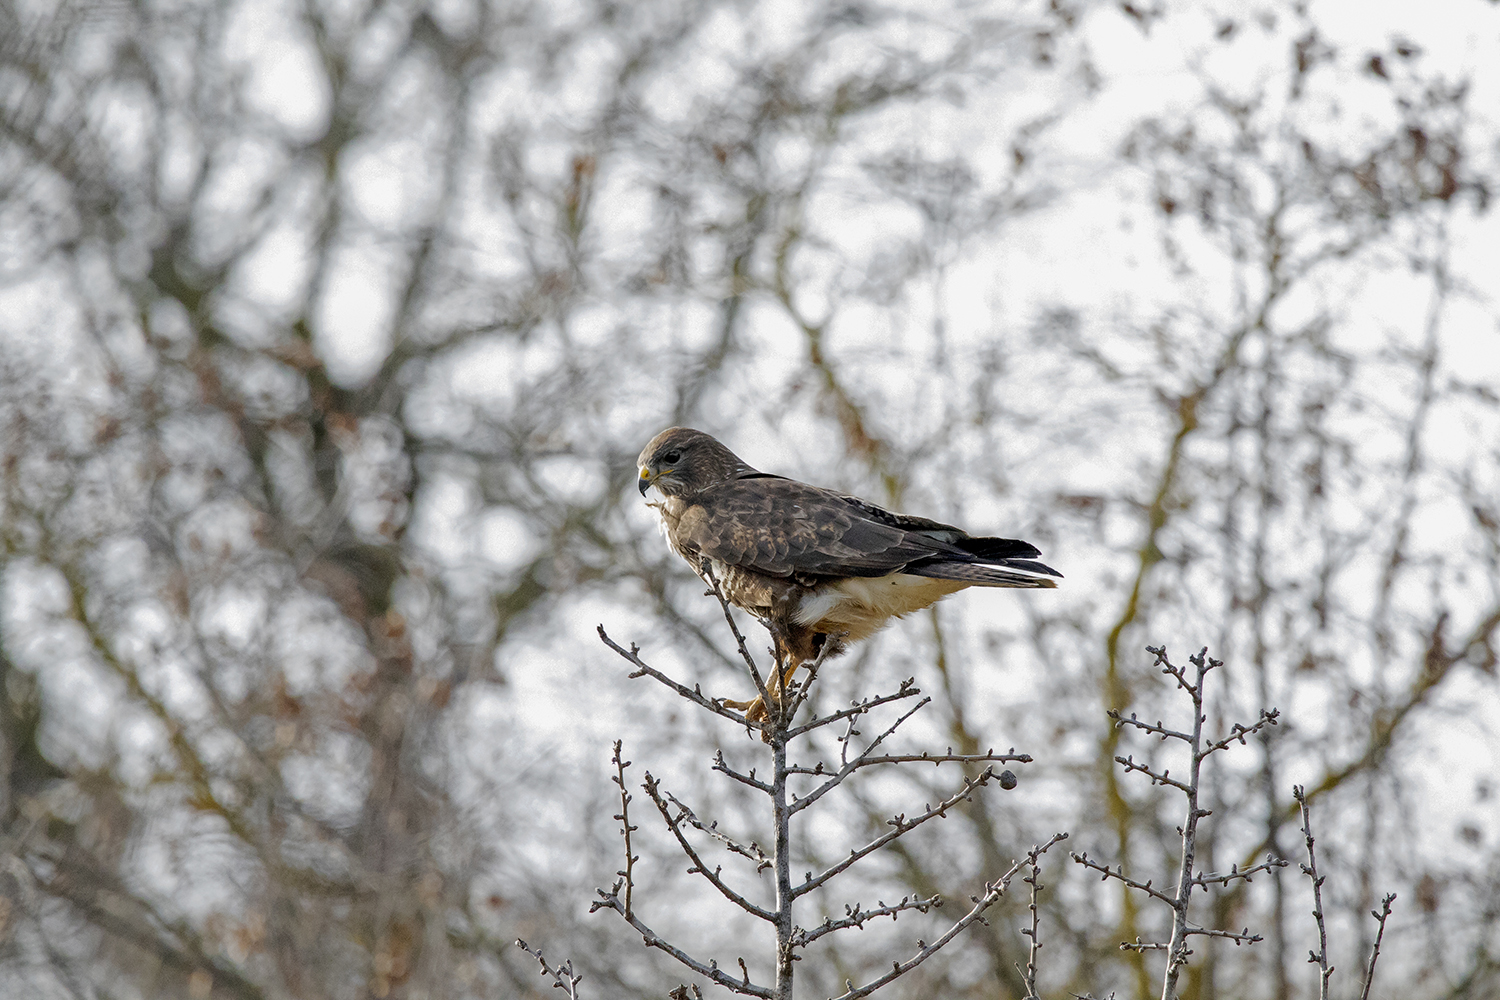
pixel 787 662
pixel 788 659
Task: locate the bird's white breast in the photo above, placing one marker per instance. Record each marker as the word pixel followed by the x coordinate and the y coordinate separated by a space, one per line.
pixel 861 606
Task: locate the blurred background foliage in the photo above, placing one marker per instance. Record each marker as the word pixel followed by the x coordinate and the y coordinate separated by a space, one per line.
pixel 329 332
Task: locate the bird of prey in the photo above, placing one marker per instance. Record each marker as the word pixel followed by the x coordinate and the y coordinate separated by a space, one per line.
pixel 814 565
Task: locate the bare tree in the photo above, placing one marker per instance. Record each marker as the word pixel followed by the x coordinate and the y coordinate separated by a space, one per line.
pixel 780 730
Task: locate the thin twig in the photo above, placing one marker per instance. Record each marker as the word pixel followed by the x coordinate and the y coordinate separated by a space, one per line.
pixel 1385 911
pixel 907 690
pixel 856 916
pixel 993 891
pixel 1180 673
pixel 1238 937
pixel 1237 733
pixel 753 852
pixel 709 970
pixel 1236 873
pixel 901 826
pixel 1155 728
pixel 674 824
pixel 1157 777
pixel 1034 880
pixel 750 779
pixel 1320 957
pixel 562 975
pixel 989 757
pixel 628 874
pixel 692 694
pixel 1118 874
pixel 1179 899
pixel 848 767
pixel 739 640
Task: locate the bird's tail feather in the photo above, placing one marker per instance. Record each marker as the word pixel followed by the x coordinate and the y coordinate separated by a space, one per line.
pixel 1000 550
pixel 1013 573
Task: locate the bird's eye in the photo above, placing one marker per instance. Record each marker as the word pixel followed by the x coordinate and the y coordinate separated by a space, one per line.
pixel 672 457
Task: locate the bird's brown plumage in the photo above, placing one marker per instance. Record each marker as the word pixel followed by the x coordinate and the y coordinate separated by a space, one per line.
pixel 814 565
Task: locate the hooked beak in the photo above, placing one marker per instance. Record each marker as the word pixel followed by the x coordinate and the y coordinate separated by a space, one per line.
pixel 645 481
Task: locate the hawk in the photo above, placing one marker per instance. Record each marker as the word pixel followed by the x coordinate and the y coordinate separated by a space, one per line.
pixel 815 566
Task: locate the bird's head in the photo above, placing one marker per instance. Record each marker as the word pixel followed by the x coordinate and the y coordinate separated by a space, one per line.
pixel 681 460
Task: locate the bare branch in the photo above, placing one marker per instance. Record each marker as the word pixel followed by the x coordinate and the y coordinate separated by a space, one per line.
pixel 1155 728
pixel 1178 900
pixel 1238 732
pixel 628 874
pixel 988 757
pixel 1238 937
pixel 1034 932
pixel 1118 874
pixel 1157 777
pixel 753 852
pixel 674 824
pixel 745 779
pixel 709 970
pixel 849 767
pixel 901 826
pixel 907 690
pixel 562 975
pixel 1320 957
pixel 993 891
pixel 1385 911
pixel 1236 872
pixel 692 694
pixel 739 640
pixel 856 916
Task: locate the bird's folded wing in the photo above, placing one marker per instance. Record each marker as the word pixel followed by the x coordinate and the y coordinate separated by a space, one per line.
pixel 781 527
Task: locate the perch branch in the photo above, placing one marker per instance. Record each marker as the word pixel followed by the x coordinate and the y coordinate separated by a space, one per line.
pixel 739 639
